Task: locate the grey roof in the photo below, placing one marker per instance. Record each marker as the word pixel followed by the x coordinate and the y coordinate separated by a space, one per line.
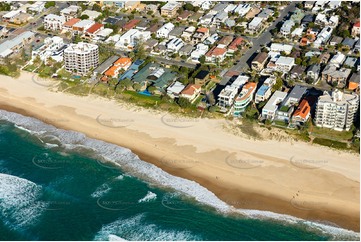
pixel 349 42
pixel 194 17
pixel 9 44
pixel 355 77
pixel 336 39
pixel 298 70
pixel 315 68
pixel 177 31
pixel 308 18
pixel 296 93
pixel 350 61
pixel 265 13
pixel 106 64
pixel 220 7
pixel 151 43
pixel 357 44
pixel 111 20
pixel 186 48
pixel 143 24
pixel 222 15
pixel 230 22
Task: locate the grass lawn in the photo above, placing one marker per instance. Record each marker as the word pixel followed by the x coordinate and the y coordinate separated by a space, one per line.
pixel 330 143
pixel 331 134
pixel 30 68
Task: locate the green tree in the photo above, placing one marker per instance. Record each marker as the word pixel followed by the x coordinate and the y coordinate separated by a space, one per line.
pixel 97 8
pixel 202 59
pixel 49 4
pixel 125 84
pixel 188 6
pixel 184 102
pixel 298 61
pixel 278 85
pixel 152 89
pixel 5 6
pixel 84 17
pixel 137 87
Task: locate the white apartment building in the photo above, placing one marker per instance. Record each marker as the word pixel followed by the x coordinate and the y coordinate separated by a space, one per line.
pixel 37 7
pixel 243 9
pixel 129 40
pixel 336 110
pixel 265 91
pixel 81 57
pixel 284 64
pixel 164 31
pixel 54 22
pixel 70 12
pixel 52 47
pixel 201 49
pixel 175 45
pixel 229 93
pixel 287 27
pixel 227 96
pixel 269 110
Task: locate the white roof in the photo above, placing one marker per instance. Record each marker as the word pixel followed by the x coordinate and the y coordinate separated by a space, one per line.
pixel 338 58
pixel 55 17
pixel 70 9
pixel 91 13
pixel 176 87
pixel 281 47
pixel 83 23
pixel 256 21
pixel 285 61
pixel 114 38
pixel 105 32
pixel 170 6
pixel 5 48
pixel 81 48
pixel 11 14
pixel 273 102
pixel 241 80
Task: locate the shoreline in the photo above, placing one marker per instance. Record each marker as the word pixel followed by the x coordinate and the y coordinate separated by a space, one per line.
pixel 269 185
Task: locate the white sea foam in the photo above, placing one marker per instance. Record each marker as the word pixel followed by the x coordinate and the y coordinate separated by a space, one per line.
pixel 120 177
pixel 19 204
pixel 136 229
pixel 132 164
pixel 101 191
pixel 113 237
pixel 149 197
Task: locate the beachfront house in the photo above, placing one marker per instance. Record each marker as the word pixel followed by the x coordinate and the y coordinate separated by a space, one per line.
pixel 244 98
pixel 286 108
pixel 265 91
pixel 269 110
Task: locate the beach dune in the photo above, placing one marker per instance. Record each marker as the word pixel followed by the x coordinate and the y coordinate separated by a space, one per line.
pixel 295 178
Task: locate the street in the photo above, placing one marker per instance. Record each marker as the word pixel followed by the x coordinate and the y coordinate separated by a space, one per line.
pixel 263 39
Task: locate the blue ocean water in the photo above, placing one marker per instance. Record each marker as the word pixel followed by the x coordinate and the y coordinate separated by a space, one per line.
pixel 61 185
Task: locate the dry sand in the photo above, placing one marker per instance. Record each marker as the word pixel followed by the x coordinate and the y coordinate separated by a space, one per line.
pixel 296 178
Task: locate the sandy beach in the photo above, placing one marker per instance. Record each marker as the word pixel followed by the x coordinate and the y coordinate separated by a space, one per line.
pixel 295 178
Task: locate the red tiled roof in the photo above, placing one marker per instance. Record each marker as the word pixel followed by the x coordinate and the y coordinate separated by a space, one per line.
pixel 303 109
pixel 357 24
pixel 215 51
pixel 131 24
pixel 190 89
pixel 202 30
pixel 71 22
pixel 236 42
pixel 94 28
